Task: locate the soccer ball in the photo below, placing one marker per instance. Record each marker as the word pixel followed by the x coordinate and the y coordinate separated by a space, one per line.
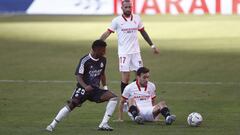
pixel 194 119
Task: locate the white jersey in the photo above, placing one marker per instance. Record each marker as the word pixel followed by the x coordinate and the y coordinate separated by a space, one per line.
pixel 127 29
pixel 142 95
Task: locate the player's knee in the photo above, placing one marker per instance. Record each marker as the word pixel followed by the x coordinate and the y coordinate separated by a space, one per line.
pixel 157 107
pixel 131 101
pixel 125 77
pixel 73 103
pixel 162 104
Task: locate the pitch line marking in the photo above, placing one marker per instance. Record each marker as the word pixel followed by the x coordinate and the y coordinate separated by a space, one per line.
pixel 115 82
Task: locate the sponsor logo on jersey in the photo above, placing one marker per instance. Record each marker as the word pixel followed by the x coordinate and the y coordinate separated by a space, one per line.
pixel 95 73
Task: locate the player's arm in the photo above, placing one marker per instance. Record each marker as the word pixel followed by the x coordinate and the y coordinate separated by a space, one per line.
pixel 104 81
pixel 120 111
pixel 82 83
pixel 105 35
pixel 103 76
pixel 148 40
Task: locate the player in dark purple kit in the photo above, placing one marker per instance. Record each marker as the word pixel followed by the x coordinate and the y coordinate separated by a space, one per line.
pixel 90 72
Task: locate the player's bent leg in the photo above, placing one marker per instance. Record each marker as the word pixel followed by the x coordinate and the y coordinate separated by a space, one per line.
pixel 73 103
pixel 112 98
pixel 77 99
pixel 135 113
pixel 106 96
pixel 61 114
pixel 164 110
pixel 131 102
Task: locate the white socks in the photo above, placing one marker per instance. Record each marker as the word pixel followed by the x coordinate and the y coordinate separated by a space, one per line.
pixel 109 110
pixel 66 110
pixel 61 114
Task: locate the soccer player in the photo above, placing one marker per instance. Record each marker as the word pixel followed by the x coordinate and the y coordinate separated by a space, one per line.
pixel 141 98
pixel 89 73
pixel 127 26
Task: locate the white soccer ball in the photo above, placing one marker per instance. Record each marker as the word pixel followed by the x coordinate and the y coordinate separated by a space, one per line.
pixel 194 119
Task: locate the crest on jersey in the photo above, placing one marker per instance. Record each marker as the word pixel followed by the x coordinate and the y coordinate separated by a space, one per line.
pixel 101 65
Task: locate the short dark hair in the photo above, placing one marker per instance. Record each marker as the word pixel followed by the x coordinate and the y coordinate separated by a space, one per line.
pixel 143 70
pixel 125 1
pixel 98 43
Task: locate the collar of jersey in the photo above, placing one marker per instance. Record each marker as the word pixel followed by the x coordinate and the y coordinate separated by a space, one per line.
pixel 139 87
pixel 92 57
pixel 126 18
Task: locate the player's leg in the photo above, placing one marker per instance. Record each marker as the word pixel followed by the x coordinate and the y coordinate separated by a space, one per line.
pixel 61 114
pixel 124 68
pixel 102 96
pixel 125 77
pixel 162 108
pixel 78 97
pixel 133 109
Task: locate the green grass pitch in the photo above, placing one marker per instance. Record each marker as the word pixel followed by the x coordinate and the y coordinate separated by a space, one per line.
pixel 198 69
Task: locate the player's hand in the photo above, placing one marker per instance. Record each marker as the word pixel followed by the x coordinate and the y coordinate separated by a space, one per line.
pixel 88 88
pixel 105 87
pixel 155 50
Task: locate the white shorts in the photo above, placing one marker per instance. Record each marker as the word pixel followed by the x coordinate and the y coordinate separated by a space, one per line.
pixel 146 113
pixel 130 62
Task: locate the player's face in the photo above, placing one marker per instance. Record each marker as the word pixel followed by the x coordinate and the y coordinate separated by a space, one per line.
pixel 143 79
pixel 100 52
pixel 127 8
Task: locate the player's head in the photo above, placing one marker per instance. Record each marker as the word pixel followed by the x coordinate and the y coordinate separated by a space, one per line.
pixel 99 48
pixel 127 7
pixel 143 76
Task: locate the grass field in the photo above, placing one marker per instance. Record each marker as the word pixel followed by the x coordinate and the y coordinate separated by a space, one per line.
pixel 198 69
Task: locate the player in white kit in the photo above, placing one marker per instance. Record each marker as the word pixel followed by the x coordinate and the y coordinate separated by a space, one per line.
pixel 141 97
pixel 127 26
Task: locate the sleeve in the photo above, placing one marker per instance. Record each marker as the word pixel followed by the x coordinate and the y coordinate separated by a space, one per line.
pixel 126 92
pixel 104 65
pixel 80 68
pixel 140 24
pixel 113 26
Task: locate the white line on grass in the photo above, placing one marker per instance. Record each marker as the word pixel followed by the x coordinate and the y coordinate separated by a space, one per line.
pixel 115 82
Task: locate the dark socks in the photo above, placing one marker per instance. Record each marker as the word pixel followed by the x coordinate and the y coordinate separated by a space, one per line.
pixel 133 110
pixel 123 85
pixel 165 112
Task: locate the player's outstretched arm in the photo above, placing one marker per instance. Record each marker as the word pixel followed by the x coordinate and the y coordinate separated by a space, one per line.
pixel 105 35
pixel 149 41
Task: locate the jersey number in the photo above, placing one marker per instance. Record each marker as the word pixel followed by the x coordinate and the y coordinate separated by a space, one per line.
pixel 122 59
pixel 81 91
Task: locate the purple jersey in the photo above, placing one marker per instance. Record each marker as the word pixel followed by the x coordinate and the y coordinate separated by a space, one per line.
pixel 92 69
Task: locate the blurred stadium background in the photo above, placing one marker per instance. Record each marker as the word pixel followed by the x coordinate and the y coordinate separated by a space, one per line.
pixel 198 68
